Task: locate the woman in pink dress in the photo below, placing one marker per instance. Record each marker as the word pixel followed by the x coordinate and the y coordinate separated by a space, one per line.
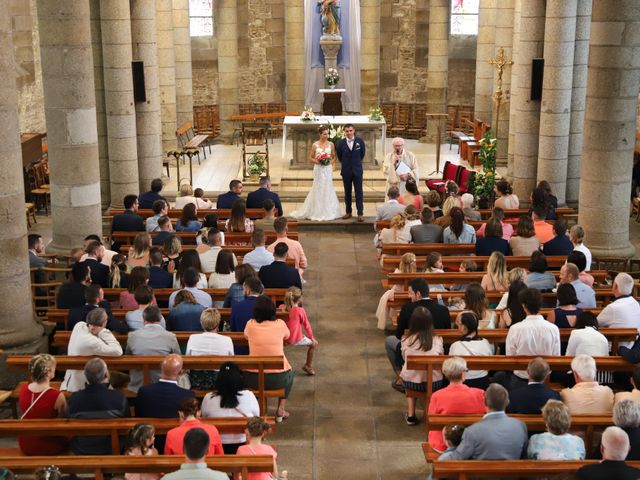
pixel 412 195
pixel 39 400
pixel 256 430
pixel 140 443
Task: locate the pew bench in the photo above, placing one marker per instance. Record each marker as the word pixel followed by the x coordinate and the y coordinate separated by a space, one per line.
pixel 426 248
pixel 188 138
pixel 126 238
pixel 222 213
pixel 451 263
pixel 217 294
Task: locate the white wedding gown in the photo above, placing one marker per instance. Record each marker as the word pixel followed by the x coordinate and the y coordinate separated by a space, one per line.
pixel 321 203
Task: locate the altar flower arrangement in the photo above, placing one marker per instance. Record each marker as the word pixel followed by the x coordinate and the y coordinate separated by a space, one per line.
pixel 332 77
pixel 336 133
pixel 375 113
pixel 324 159
pixel 307 115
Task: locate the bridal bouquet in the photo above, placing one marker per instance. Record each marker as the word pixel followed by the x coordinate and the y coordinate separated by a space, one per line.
pixel 307 115
pixel 324 159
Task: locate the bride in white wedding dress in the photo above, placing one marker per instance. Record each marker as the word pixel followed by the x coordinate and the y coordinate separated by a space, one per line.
pixel 321 203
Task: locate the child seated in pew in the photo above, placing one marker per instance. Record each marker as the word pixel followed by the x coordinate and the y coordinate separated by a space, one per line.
pixel 256 430
pixel 383 312
pixel 452 435
pixel 298 321
pixel 435 265
pixel 140 443
pixel 465 266
pixel 201 202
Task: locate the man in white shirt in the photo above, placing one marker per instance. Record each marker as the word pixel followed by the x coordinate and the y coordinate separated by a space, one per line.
pixel 569 273
pixel 532 336
pixel 107 255
pixel 399 154
pixel 209 258
pixel 391 207
pixel 259 256
pixel 90 338
pixel 624 311
pixel 576 235
pixel 160 209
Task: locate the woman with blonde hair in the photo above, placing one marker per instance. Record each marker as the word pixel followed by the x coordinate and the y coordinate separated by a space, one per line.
pixel 186 196
pixel 39 400
pixel 396 233
pixel 171 250
pixel 433 201
pixel 139 253
pixel 407 264
pixel 445 220
pixel 495 280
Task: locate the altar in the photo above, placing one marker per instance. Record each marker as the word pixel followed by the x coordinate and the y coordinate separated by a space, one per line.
pixel 303 134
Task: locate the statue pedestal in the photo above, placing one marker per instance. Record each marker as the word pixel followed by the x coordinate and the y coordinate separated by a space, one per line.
pixel 332 104
pixel 330 45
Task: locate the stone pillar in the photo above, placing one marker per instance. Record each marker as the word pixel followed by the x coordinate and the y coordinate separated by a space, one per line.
pixel 17 325
pixel 527 119
pixel 555 111
pixel 515 72
pixel 609 127
pixel 483 108
pixel 148 126
pixel 369 55
pixel 115 22
pixel 70 111
pixel 227 33
pixel 578 98
pixel 167 73
pixel 182 46
pixel 101 117
pixel 438 66
pixel 504 39
pixel 294 49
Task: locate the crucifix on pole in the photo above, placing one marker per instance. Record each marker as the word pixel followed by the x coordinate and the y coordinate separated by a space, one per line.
pixel 500 61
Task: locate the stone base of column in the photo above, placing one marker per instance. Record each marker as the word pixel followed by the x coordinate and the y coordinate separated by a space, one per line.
pixel 625 252
pixel 10 377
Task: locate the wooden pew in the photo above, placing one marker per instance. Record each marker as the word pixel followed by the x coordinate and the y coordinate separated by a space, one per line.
pixel 391 262
pixel 146 363
pixel 426 248
pixel 126 238
pixel 188 139
pixel 101 465
pixel 238 250
pixel 115 428
pixel 380 224
pixel 222 213
pixel 468 469
pixel 276 294
pixel 61 338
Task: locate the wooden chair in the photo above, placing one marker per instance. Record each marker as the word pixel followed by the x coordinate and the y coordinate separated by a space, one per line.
pixel 188 139
pixel 465 120
pixel 401 122
pixel 614 264
pixel 246 108
pixel 418 123
pixel 388 112
pixel 41 193
pixel 30 212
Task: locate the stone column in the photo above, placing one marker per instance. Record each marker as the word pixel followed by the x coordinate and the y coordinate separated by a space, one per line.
pixel 515 72
pixel 227 33
pixel 294 49
pixel 527 119
pixel 148 126
pixel 70 111
pixel 167 73
pixel 438 66
pixel 17 325
pixel 609 127
pixel 369 55
pixel 182 46
pixel 101 117
pixel 115 22
pixel 504 39
pixel 555 111
pixel 578 98
pixel 483 108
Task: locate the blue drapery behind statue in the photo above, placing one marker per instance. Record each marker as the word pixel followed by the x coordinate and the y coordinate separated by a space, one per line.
pixel 317 58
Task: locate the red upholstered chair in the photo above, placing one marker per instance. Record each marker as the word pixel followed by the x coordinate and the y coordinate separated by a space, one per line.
pixel 449 172
pixel 464 180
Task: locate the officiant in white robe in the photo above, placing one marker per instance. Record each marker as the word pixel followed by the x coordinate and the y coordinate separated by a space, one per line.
pixel 396 173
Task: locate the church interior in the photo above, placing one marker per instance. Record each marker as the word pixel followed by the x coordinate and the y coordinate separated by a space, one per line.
pixel 438 199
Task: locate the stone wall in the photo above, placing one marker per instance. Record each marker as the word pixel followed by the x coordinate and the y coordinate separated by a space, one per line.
pixel 462 70
pixel 204 58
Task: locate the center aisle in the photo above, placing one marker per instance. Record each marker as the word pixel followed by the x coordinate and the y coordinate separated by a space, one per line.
pixel 346 422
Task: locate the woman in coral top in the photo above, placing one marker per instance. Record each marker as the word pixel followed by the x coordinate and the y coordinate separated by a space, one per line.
pixel 189 412
pixel 412 195
pixel 266 335
pixel 39 400
pixel 298 321
pixel 256 430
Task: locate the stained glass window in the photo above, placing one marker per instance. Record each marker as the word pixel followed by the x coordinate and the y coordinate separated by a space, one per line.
pixel 201 18
pixel 464 17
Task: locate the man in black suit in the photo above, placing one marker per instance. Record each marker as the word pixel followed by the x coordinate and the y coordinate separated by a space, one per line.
pixel 99 271
pixel 614 448
pixel 531 398
pixel 350 151
pixel 256 199
pixel 279 274
pixel 147 199
pixel 71 294
pixel 158 276
pixel 560 244
pixel 226 200
pixel 129 220
pixel 94 298
pixel 166 231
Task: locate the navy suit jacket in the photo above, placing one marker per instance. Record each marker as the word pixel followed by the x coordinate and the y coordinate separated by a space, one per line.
pixel 127 222
pixel 255 199
pixel 530 399
pixel 241 313
pixel 160 237
pixel 99 272
pixel 160 278
pixel 160 400
pixel 226 200
pixel 558 245
pixel 279 275
pixel 351 160
pixel 79 314
pixel 485 246
pixel 146 199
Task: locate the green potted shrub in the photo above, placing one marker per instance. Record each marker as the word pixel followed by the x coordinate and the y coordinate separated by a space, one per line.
pixel 485 180
pixel 257 165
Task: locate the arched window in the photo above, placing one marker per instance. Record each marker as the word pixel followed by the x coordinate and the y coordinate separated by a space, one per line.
pixel 464 17
pixel 201 18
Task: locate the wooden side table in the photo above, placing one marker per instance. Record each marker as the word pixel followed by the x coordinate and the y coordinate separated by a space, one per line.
pixel 332 104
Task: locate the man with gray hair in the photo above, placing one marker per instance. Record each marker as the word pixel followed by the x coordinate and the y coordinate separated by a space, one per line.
pixel 624 311
pixel 495 437
pixel 626 415
pixel 96 401
pixel 90 337
pixel 531 398
pixel 399 165
pixel 256 199
pixel 614 448
pixel 587 397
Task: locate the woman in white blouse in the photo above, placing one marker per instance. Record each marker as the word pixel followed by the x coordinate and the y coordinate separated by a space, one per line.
pixel 586 339
pixel 472 344
pixel 225 273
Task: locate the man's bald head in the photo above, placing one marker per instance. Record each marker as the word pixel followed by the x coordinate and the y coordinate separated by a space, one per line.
pixel 171 366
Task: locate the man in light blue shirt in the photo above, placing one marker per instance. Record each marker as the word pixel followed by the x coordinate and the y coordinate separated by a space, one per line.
pixel 160 209
pixel 569 273
pixel 196 446
pixel 259 256
pixel 191 277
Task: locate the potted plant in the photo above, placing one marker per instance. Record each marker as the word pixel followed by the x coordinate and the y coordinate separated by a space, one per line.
pixel 332 77
pixel 484 181
pixel 375 114
pixel 257 165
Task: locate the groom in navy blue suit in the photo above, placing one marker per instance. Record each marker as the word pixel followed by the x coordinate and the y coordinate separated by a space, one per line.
pixel 350 151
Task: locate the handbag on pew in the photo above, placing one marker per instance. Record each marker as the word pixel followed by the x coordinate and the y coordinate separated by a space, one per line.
pixel 34 402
